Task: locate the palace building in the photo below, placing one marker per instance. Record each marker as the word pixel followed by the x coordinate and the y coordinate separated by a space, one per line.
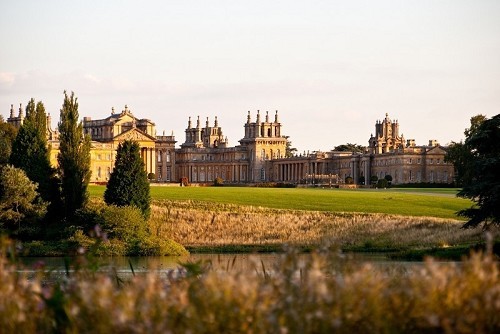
pixel 260 156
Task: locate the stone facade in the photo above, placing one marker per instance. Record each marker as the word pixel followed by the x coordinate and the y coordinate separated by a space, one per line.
pixel 260 156
pixel 386 154
pixel 205 154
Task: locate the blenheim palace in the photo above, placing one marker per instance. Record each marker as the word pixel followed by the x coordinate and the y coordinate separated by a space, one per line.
pixel 260 156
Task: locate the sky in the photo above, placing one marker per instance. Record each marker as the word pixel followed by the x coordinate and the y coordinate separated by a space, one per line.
pixel 330 68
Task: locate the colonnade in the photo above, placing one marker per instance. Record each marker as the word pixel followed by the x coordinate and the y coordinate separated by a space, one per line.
pixel 296 171
pixel 234 173
pixel 148 157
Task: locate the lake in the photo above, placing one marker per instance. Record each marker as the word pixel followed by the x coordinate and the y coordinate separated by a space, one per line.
pixel 255 263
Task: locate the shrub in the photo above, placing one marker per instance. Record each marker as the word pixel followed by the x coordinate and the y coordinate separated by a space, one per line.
pixel 125 223
pixel 218 182
pixel 382 183
pixel 349 180
pixel 154 246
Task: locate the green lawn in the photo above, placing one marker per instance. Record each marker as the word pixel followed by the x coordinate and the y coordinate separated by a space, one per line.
pixel 409 202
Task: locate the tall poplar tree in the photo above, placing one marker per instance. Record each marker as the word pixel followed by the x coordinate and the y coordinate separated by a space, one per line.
pixel 31 153
pixel 73 157
pixel 128 184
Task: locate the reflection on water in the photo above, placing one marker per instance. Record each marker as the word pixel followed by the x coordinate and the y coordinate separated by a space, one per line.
pixel 255 263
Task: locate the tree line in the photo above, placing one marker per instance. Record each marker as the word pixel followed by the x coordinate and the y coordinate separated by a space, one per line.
pixel 40 201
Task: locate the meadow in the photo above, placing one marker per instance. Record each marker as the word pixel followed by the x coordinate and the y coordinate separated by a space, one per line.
pixel 244 219
pixel 217 227
pixel 437 203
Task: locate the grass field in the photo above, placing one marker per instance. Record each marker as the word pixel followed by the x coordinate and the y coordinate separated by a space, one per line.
pixel 440 203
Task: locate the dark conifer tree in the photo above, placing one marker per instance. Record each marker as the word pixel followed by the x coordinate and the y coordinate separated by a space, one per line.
pixel 128 183
pixel 477 170
pixel 31 153
pixel 73 158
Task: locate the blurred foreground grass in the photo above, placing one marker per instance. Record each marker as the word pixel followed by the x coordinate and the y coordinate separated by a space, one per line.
pixel 294 297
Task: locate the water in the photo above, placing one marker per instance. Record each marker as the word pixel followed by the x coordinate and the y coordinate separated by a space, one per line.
pixel 125 267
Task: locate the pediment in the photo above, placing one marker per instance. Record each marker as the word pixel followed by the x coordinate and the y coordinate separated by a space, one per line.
pixel 134 134
pixel 436 150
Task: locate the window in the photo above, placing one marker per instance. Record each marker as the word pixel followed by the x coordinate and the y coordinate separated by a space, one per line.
pixel 108 173
pixel 159 156
pixel 99 172
pixel 262 174
pixel 169 173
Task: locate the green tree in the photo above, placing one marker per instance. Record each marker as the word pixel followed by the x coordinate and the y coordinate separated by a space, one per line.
pixel 31 153
pixel 289 150
pixel 389 179
pixel 477 170
pixel 73 157
pixel 462 157
pixel 8 134
pixel 349 148
pixel 19 200
pixel 128 184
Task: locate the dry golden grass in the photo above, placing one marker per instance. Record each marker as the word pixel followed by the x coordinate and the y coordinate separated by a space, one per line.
pixel 295 297
pixel 195 224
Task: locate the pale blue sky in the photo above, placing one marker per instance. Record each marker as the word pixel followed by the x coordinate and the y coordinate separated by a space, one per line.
pixel 331 68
